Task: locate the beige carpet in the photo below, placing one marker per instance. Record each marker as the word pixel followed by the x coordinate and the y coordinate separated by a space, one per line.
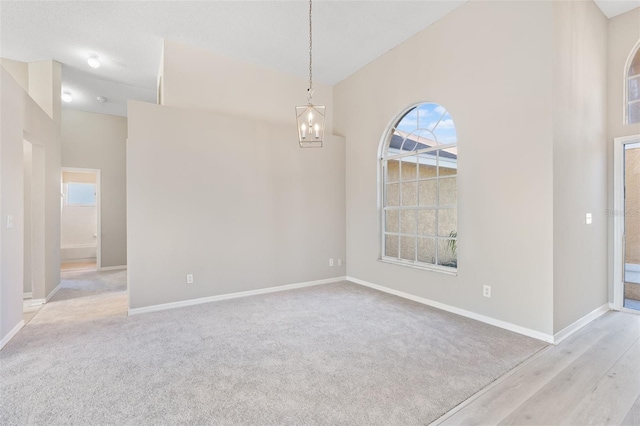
pixel 336 354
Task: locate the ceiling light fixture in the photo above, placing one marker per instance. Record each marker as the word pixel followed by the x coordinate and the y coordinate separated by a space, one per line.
pixel 101 99
pixel 93 61
pixel 66 96
pixel 310 118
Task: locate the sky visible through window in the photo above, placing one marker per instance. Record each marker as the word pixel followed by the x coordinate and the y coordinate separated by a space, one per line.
pixel 429 120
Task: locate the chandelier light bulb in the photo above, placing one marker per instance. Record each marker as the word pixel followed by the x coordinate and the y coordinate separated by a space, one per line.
pixel 93 61
pixel 303 129
pixel 317 129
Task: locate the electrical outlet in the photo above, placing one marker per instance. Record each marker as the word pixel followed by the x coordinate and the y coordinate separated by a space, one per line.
pixel 486 291
pixel 9 221
pixel 330 262
pixel 588 219
pixel 189 278
pixel 339 262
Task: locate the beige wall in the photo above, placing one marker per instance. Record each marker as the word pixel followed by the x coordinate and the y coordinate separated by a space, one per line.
pixel 21 118
pixel 45 79
pixel 18 70
pixel 499 91
pixel 632 201
pixel 28 163
pixel 194 78
pixel 579 161
pixel 235 202
pixel 623 36
pixel 98 141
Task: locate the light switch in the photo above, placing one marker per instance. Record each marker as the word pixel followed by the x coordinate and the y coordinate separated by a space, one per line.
pixel 9 221
pixel 588 219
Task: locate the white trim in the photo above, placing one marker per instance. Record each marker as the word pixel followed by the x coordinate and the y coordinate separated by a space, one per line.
pixel 478 317
pixel 37 302
pixel 53 293
pixel 113 268
pixel 199 301
pixel 28 295
pixel 630 311
pixel 625 82
pixel 618 218
pixel 569 330
pixel 10 335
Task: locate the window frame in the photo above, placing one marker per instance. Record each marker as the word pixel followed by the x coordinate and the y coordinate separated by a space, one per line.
pixel 383 159
pixel 625 82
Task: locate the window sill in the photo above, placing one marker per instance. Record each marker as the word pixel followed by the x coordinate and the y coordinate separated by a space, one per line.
pixel 434 268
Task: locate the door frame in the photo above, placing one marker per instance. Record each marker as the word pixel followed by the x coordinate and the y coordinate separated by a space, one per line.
pixel 98 208
pixel 618 219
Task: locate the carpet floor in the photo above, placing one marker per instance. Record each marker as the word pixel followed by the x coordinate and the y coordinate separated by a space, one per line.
pixel 335 354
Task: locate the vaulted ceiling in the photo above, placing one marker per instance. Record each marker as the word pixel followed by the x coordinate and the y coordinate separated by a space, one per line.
pixel 127 37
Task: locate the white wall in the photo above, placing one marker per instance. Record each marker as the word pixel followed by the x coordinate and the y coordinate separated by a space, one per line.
pixel 623 36
pixel 489 64
pixel 236 202
pixel 195 78
pixel 22 119
pixel 579 160
pixel 98 141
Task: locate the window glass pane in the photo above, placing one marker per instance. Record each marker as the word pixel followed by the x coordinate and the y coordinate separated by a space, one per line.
pixel 428 192
pixel 81 193
pixel 408 170
pixel 448 191
pixel 445 131
pixel 447 163
pixel 429 114
pixel 446 249
pixel 635 64
pixel 391 245
pixel 408 221
pixel 391 222
pixel 409 122
pixel 634 113
pixel 408 248
pixel 427 222
pixel 427 250
pixel 428 162
pixel 409 193
pixel 393 171
pixel 634 89
pixel 447 222
pixel 393 194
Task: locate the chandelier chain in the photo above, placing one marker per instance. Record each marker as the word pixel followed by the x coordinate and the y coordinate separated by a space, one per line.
pixel 310 91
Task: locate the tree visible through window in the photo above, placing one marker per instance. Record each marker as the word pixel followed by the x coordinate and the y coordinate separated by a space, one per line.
pixel 633 89
pixel 419 186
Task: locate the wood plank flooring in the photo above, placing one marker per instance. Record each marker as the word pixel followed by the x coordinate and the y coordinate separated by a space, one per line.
pixel 592 378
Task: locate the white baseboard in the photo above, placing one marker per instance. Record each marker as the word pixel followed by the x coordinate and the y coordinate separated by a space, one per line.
pixel 11 334
pixel 569 330
pixel 37 302
pixel 478 317
pixel 53 292
pixel 113 268
pixel 199 301
pixel 27 295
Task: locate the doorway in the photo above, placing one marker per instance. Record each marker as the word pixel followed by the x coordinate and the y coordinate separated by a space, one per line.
pixel 627 224
pixel 80 220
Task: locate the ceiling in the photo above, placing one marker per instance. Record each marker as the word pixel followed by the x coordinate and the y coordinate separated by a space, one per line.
pixel 127 37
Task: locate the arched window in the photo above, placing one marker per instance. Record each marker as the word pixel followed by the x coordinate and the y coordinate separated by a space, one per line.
pixel 419 166
pixel 633 88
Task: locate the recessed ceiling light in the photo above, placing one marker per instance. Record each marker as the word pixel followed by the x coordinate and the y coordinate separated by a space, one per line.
pixel 93 61
pixel 101 99
pixel 66 96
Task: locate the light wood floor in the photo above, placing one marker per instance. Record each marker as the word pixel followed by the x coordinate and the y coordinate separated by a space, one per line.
pixel 592 378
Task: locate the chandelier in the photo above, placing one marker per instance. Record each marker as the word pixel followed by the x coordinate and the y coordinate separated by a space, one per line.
pixel 310 118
